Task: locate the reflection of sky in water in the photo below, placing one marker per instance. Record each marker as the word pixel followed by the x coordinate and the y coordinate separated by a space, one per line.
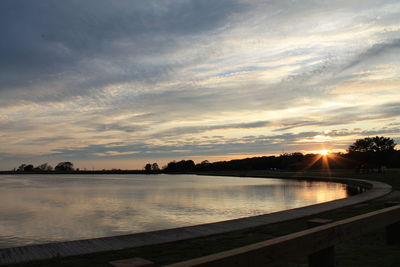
pixel 39 208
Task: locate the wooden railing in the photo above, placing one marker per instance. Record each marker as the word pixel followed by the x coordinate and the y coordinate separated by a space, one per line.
pixel 317 242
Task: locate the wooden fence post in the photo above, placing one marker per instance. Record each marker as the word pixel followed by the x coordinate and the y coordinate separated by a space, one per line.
pixel 324 257
pixel 392 230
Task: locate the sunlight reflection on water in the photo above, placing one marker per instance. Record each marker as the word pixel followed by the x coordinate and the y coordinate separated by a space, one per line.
pixel 40 208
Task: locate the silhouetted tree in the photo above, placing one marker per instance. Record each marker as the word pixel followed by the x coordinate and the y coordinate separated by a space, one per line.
pixel 373 144
pixel 28 168
pixel 64 166
pixel 372 152
pixel 147 167
pixel 21 167
pixel 154 167
pixel 180 166
pixel 44 167
pixel 203 166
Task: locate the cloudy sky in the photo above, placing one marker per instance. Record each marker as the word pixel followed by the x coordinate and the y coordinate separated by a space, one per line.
pixel 115 84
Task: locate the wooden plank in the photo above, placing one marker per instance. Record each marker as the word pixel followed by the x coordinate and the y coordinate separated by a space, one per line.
pixel 278 250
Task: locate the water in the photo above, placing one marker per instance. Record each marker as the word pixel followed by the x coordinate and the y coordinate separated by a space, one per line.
pixel 44 208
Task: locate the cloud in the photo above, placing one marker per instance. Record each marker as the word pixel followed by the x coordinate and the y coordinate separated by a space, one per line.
pixel 302 123
pixel 125 79
pixel 94 43
pixel 119 127
pixel 377 53
pixel 388 110
pixel 49 140
pixel 340 116
pixel 199 129
pixel 254 145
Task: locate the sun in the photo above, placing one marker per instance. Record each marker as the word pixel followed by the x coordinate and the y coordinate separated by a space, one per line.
pixel 323 152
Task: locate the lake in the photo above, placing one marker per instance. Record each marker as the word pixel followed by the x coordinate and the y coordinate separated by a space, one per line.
pixel 46 208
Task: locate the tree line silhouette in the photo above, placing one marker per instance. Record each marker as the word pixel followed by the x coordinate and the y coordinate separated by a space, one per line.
pixel 62 166
pixel 364 155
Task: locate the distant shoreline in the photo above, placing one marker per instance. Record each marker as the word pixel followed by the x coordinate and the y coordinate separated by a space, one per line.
pixel 82 172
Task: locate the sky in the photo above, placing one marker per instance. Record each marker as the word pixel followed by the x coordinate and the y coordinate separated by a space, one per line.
pixel 116 84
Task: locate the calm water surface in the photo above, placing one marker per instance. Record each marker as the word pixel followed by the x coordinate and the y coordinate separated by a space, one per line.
pixel 45 208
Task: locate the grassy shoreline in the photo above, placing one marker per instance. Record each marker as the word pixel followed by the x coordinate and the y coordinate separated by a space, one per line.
pixel 360 252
